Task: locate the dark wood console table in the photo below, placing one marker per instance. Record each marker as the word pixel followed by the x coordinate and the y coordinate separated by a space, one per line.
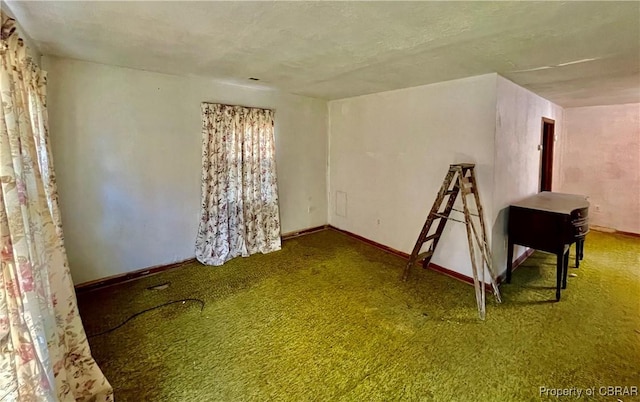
pixel 549 222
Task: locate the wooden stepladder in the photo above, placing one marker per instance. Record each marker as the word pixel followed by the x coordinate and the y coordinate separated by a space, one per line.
pixel 460 179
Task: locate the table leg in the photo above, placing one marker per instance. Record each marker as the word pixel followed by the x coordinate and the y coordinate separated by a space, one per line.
pixel 559 271
pixel 509 260
pixel 565 268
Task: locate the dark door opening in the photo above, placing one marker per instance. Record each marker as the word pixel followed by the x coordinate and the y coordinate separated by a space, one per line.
pixel 546 161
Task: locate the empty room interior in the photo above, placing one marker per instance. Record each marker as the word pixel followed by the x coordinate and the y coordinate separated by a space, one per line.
pixel 332 201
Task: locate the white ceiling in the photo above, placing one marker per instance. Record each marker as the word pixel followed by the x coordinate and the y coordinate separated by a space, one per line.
pixel 574 53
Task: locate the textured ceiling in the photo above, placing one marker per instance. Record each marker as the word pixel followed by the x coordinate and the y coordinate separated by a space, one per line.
pixel 575 53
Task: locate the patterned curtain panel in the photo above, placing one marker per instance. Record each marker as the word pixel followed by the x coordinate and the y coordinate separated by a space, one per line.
pixel 239 213
pixel 44 354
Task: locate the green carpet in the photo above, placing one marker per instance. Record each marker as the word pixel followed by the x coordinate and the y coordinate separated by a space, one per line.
pixel 328 319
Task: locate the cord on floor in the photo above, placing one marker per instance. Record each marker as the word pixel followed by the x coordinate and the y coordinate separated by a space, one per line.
pixel 146 311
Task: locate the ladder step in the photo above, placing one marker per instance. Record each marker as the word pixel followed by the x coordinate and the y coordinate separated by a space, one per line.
pixel 443 216
pixel 433 236
pixel 472 213
pixel 462 165
pixel 424 255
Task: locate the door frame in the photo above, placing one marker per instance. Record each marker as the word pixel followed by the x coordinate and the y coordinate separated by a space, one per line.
pixel 547 145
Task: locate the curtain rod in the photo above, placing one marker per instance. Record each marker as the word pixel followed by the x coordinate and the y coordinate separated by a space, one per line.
pixel 248 107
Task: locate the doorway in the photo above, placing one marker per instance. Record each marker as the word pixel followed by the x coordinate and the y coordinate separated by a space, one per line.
pixel 546 161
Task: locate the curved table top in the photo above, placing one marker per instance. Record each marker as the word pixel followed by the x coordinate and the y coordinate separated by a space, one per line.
pixel 553 202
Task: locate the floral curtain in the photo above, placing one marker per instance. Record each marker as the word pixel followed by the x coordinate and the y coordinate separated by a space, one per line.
pixel 239 214
pixel 44 354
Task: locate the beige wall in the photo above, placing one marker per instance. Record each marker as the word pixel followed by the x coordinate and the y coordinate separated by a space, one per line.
pixel 601 159
pixel 518 133
pixel 127 148
pixel 390 151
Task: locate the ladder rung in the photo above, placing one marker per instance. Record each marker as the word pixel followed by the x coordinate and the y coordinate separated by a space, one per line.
pixel 433 236
pixel 463 165
pixel 424 255
pixel 441 216
pixel 461 211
